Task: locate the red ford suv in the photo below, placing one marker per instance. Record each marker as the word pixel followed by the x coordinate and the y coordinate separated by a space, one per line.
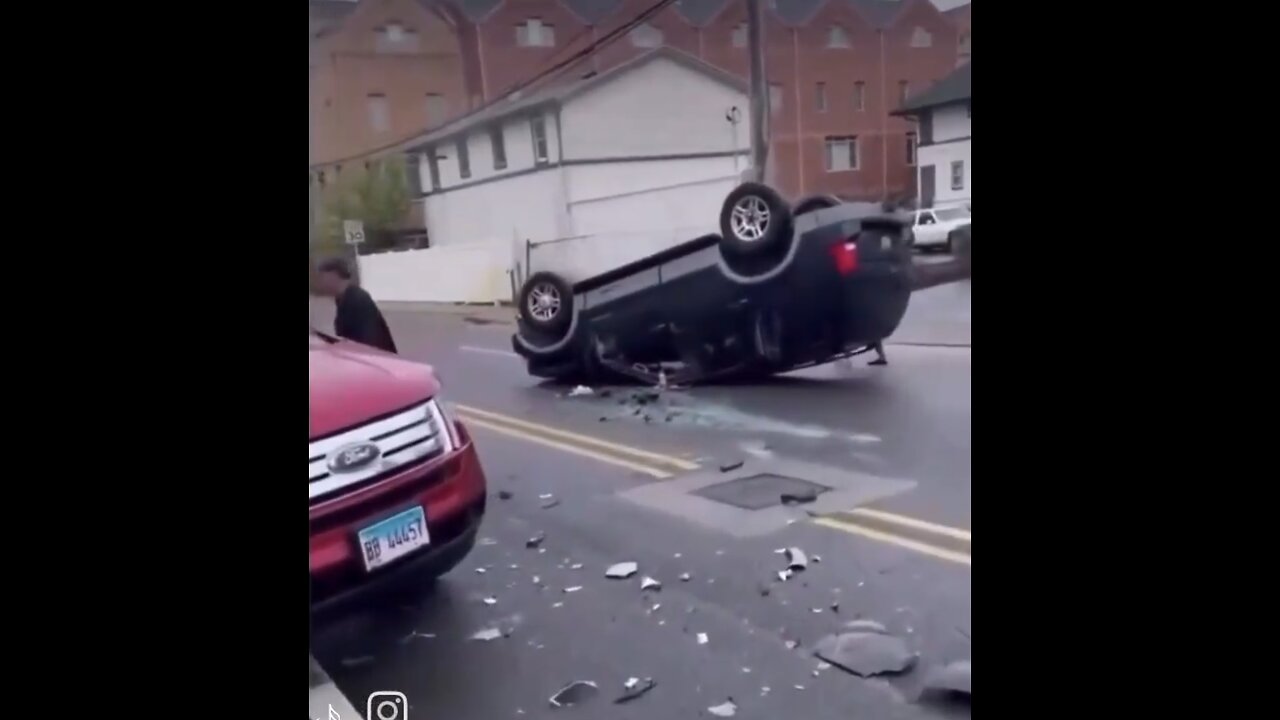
pixel 396 489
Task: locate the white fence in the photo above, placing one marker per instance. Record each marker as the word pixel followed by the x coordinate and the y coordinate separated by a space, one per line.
pixel 453 273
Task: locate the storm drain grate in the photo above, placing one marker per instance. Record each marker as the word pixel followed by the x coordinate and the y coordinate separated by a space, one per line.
pixel 757 492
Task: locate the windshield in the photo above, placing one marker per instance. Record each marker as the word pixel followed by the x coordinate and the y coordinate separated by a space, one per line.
pixel 952 214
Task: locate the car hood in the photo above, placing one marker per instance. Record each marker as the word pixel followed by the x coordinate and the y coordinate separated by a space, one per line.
pixel 350 384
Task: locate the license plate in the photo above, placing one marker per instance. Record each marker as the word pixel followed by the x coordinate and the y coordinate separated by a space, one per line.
pixel 393 538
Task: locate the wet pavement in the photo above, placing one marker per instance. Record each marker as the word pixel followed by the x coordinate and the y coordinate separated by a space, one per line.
pixel 610 630
pixel 901 433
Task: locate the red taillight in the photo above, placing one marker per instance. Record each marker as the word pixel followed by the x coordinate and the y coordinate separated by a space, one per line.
pixel 846 256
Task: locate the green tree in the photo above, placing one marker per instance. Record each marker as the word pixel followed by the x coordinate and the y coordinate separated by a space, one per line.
pixel 378 197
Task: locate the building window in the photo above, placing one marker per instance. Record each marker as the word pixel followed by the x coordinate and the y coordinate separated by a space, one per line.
pixel 413 170
pixel 837 38
pixel 464 159
pixel 499 145
pixel 904 89
pixel 957 174
pixel 820 97
pixel 646 36
pixel 379 113
pixel 437 109
pixel 534 33
pixel 395 37
pixel 911 148
pixel 433 167
pixel 740 36
pixel 538 126
pixel 920 38
pixel 842 153
pixel 859 96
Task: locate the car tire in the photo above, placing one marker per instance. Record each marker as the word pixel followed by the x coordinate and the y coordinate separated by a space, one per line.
pixel 754 221
pixel 546 303
pixel 950 247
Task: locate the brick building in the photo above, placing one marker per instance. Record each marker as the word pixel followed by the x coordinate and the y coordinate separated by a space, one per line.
pixel 837 68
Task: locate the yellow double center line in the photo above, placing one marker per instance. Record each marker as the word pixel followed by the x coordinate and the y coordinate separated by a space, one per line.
pixel 643 461
pixel 939 541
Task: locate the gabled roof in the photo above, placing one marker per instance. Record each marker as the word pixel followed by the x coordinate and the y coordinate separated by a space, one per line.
pixel 558 91
pixel 950 90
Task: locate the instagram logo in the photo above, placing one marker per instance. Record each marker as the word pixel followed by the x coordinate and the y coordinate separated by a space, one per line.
pixel 386 705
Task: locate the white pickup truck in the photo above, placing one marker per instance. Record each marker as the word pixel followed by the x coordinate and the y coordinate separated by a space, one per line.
pixel 935 228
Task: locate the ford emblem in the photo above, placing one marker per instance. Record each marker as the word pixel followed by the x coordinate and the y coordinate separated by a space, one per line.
pixel 353 457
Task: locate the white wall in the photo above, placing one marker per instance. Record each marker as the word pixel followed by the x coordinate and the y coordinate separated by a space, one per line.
pixel 528 206
pixel 623 211
pixel 518 138
pixel 659 108
pixel 471 273
pixel 941 157
pixel 951 122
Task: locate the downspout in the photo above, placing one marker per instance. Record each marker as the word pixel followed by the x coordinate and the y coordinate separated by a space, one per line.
pixel 884 129
pixel 800 139
pixel 484 80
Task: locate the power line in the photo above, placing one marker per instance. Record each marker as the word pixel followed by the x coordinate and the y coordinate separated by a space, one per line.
pixel 608 39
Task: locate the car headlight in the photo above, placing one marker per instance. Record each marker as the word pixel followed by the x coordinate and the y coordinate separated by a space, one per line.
pixel 442 415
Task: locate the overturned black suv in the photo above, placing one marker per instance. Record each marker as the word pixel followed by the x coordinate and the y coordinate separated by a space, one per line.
pixel 779 289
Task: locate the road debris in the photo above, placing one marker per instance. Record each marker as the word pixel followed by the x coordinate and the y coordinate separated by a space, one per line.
pixel 791 644
pixel 816 611
pixel 784 575
pixel 955 677
pixel 573 589
pixel 685 577
pixel 548 504
pixel 649 583
pixel 656 607
pixel 622 571
pixel 817 559
pixel 487 541
pixel 574 693
pixel 480 571
pixel 487 634
pixel 414 634
pixel 702 638
pixel 730 466
pixel 799 498
pixel 546 496
pixel 557 605
pixel 491 600
pixel 764 690
pixel 866 653
pixel 505 495
pixel 535 541
pixel 513 566
pixel 580 391
pixel 763 589
pixel 576 566
pixel 726 709
pixel 796 559
pixel 537 580
pixel 835 607
pixel 634 688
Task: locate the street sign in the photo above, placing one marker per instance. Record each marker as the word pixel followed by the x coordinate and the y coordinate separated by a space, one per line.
pixel 354 231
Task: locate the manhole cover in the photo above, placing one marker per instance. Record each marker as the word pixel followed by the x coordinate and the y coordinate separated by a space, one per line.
pixel 757 492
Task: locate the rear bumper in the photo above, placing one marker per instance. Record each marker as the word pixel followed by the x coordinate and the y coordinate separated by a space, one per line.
pixel 450 489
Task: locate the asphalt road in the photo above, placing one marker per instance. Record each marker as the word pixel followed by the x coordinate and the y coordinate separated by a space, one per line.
pixel 901 434
pixel 609 630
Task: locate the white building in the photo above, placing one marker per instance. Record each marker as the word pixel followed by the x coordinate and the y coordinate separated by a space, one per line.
pixel 578 177
pixel 944 153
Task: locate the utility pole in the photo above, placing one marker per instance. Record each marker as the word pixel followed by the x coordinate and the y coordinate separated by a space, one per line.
pixel 759 89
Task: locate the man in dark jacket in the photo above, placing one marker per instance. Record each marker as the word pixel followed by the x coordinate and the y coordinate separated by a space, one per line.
pixel 358 317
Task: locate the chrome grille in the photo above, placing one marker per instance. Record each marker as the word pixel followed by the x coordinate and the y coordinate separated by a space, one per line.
pixel 403 439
